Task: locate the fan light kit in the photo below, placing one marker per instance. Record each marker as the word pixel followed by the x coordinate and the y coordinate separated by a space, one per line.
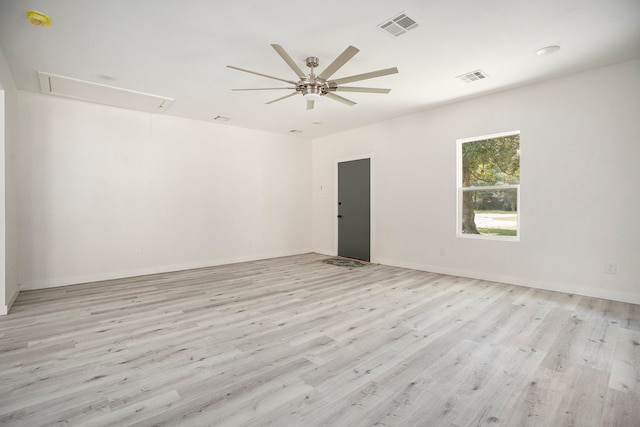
pixel 313 87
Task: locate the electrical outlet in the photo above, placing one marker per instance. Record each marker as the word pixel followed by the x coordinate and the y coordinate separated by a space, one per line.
pixel 442 251
pixel 138 252
pixel 611 267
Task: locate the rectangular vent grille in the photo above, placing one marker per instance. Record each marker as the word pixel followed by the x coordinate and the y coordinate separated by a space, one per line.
pixel 398 25
pixel 67 87
pixel 473 76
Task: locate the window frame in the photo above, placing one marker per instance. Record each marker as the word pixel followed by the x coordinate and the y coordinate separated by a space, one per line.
pixel 460 191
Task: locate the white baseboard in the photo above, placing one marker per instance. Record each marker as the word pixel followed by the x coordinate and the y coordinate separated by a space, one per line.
pixel 566 288
pixel 100 277
pixel 557 287
pixel 323 252
pixel 4 309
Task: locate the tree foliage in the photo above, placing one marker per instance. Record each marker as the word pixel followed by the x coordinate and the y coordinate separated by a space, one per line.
pixel 492 161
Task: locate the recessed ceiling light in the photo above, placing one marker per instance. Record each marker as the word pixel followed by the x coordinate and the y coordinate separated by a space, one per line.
pixel 548 50
pixel 38 18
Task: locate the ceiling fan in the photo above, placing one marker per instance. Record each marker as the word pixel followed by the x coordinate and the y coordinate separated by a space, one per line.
pixel 313 86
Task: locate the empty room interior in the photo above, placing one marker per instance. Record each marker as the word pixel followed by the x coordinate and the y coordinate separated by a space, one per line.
pixel 252 213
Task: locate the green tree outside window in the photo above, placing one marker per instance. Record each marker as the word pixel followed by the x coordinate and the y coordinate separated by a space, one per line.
pixel 490 179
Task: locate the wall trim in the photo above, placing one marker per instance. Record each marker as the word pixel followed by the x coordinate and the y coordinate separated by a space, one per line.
pixel 556 287
pixel 101 277
pixel 4 309
pixel 566 288
pixel 328 252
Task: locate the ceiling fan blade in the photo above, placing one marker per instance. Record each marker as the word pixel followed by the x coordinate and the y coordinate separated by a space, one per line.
pixel 266 88
pixel 283 97
pixel 361 89
pixel 290 62
pixel 364 76
pixel 260 74
pixel 310 105
pixel 339 99
pixel 339 62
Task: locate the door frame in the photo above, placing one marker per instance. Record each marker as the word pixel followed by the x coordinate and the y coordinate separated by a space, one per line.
pixel 373 255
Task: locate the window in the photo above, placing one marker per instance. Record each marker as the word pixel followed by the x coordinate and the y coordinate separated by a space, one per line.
pixel 489 187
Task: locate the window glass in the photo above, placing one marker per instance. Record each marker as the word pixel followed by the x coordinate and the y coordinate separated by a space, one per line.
pixel 489 186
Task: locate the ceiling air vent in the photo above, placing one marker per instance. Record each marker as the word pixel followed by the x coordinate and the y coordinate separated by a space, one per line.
pixel 472 76
pixel 67 87
pixel 398 25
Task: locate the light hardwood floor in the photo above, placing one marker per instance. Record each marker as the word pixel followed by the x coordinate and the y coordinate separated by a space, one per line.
pixel 296 342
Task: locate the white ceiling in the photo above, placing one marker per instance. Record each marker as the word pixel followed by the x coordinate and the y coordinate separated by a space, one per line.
pixel 180 49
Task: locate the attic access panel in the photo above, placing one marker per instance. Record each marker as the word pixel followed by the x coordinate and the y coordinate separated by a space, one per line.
pixel 51 84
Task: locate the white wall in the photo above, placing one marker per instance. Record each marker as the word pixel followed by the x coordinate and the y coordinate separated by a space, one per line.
pixel 108 192
pixel 580 147
pixel 8 183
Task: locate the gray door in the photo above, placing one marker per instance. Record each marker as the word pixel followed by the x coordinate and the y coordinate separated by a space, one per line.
pixel 354 209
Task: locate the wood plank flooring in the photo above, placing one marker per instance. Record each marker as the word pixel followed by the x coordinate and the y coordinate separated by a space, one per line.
pixel 296 342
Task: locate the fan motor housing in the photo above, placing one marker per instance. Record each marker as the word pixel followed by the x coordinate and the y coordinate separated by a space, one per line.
pixel 312 88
